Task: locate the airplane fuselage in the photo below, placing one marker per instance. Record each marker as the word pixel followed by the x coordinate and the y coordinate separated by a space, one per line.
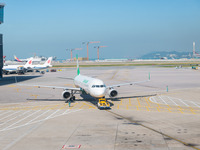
pixel 11 68
pixel 95 87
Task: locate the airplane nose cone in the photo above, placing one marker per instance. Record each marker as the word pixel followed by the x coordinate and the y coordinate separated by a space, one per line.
pixel 99 93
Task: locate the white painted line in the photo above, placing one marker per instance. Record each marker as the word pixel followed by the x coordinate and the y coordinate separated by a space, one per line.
pixel 15 117
pixel 172 101
pixel 9 115
pixel 155 100
pixel 52 114
pixel 66 111
pixel 20 120
pixel 5 113
pixel 9 146
pixel 37 117
pixel 183 102
pixel 162 100
pixel 151 99
pixel 195 104
pixel 39 121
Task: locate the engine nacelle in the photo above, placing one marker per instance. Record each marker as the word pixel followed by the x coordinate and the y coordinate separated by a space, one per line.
pixel 66 94
pixel 112 93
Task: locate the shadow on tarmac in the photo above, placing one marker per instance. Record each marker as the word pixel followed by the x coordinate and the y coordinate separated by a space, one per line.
pixel 13 79
pixel 94 101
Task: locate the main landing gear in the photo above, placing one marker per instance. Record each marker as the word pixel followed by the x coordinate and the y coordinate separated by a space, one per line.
pixel 72 97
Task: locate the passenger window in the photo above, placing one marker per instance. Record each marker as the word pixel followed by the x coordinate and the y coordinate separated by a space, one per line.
pixel 102 86
pixel 93 86
pixel 97 86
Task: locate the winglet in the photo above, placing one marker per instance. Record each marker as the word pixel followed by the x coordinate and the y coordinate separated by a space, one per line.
pixel 78 71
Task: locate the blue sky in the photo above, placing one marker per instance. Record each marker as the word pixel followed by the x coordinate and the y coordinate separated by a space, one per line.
pixel 129 28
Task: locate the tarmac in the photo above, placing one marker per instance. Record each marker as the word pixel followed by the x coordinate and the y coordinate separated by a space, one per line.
pixel 162 114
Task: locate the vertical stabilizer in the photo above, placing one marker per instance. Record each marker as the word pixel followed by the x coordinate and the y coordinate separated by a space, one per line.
pixel 77 67
pixel 17 59
pixel 48 62
pixel 29 63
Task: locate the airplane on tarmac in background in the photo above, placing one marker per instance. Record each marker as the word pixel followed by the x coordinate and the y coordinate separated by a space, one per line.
pixel 47 64
pixel 92 86
pixel 19 60
pixel 20 69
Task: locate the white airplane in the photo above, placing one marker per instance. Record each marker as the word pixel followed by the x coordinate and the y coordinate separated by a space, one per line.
pixel 92 86
pixel 17 68
pixel 44 66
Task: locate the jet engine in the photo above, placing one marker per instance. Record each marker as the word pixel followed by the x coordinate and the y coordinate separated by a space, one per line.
pixel 112 93
pixel 66 94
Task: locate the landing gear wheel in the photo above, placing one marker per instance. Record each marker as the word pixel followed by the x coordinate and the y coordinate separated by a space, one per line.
pixel 73 98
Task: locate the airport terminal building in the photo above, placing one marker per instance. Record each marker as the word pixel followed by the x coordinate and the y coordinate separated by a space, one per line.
pixel 1 40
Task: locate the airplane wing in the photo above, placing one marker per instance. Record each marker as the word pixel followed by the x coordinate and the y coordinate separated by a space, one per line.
pixel 54 87
pixel 129 83
pixel 122 84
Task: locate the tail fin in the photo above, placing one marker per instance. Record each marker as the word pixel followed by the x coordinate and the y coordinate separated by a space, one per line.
pixel 48 62
pixel 29 63
pixel 17 59
pixel 77 67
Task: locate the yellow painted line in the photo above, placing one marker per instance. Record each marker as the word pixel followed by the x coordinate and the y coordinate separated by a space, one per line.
pixel 90 106
pixel 158 109
pixel 180 110
pixel 114 75
pixel 137 108
pixel 127 107
pixel 53 107
pixel 18 89
pixel 129 101
pixel 118 106
pixel 64 106
pixel 81 106
pixel 158 105
pixel 121 102
pixel 147 101
pixel 192 110
pixel 36 107
pixel 169 109
pixel 11 86
pixel 138 101
pixel 34 96
pixel 72 105
pixel 147 108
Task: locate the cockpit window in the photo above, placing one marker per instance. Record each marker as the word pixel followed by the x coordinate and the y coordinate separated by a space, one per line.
pixel 98 86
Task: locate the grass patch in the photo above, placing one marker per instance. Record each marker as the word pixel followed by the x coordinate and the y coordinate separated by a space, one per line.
pixel 158 64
